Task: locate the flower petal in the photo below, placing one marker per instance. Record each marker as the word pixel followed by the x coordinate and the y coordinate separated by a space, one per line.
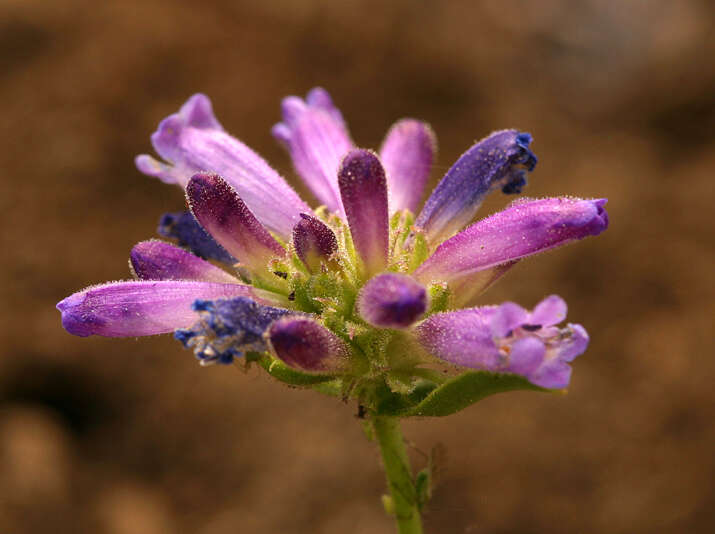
pixel 493 162
pixel 314 242
pixel 526 227
pixel 193 140
pixel 363 189
pixel 392 300
pixel 226 217
pixel 317 139
pixel 526 355
pixel 462 337
pixel 506 318
pixel 574 344
pixel 407 154
pixel 157 260
pixel 183 227
pixel 550 311
pixel 555 375
pixel 305 344
pixel 140 308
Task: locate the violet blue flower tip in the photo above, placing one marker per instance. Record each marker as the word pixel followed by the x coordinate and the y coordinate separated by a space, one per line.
pixel 523 139
pixel 74 323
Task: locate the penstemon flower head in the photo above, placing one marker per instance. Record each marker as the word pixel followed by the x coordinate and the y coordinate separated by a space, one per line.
pixel 366 296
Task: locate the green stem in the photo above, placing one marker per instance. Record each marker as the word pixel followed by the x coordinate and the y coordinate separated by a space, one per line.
pixel 399 475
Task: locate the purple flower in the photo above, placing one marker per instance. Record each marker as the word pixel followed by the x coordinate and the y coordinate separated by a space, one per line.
pixel 360 287
pixel 508 339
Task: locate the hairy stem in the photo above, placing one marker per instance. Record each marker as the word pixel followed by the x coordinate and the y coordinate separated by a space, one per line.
pixel 399 475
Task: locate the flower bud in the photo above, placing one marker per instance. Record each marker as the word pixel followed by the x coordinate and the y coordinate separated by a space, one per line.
pixel 304 344
pixel 392 300
pixel 314 242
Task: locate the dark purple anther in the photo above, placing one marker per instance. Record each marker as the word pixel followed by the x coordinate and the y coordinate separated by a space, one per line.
pixel 392 300
pixel 314 242
pixel 305 344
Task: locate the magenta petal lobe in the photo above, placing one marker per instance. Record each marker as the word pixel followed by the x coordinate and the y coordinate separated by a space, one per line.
pixel 226 217
pixel 157 260
pixel 407 154
pixel 363 188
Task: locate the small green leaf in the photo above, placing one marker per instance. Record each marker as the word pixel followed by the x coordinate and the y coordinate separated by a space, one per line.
pixel 280 371
pixel 466 389
pixel 430 400
pixel 423 487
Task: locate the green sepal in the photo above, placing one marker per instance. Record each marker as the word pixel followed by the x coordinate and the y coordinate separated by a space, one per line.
pixel 423 487
pixel 440 295
pixel 420 251
pixel 281 372
pixel 451 396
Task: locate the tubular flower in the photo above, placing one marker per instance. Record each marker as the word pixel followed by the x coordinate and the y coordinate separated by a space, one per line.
pixel 363 292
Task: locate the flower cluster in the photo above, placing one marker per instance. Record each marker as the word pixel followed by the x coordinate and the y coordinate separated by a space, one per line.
pixel 368 290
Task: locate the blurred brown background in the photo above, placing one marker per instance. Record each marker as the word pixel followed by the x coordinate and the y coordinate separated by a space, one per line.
pixel 132 437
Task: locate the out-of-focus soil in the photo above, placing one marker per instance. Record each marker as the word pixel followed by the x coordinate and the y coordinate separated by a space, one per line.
pixel 132 437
